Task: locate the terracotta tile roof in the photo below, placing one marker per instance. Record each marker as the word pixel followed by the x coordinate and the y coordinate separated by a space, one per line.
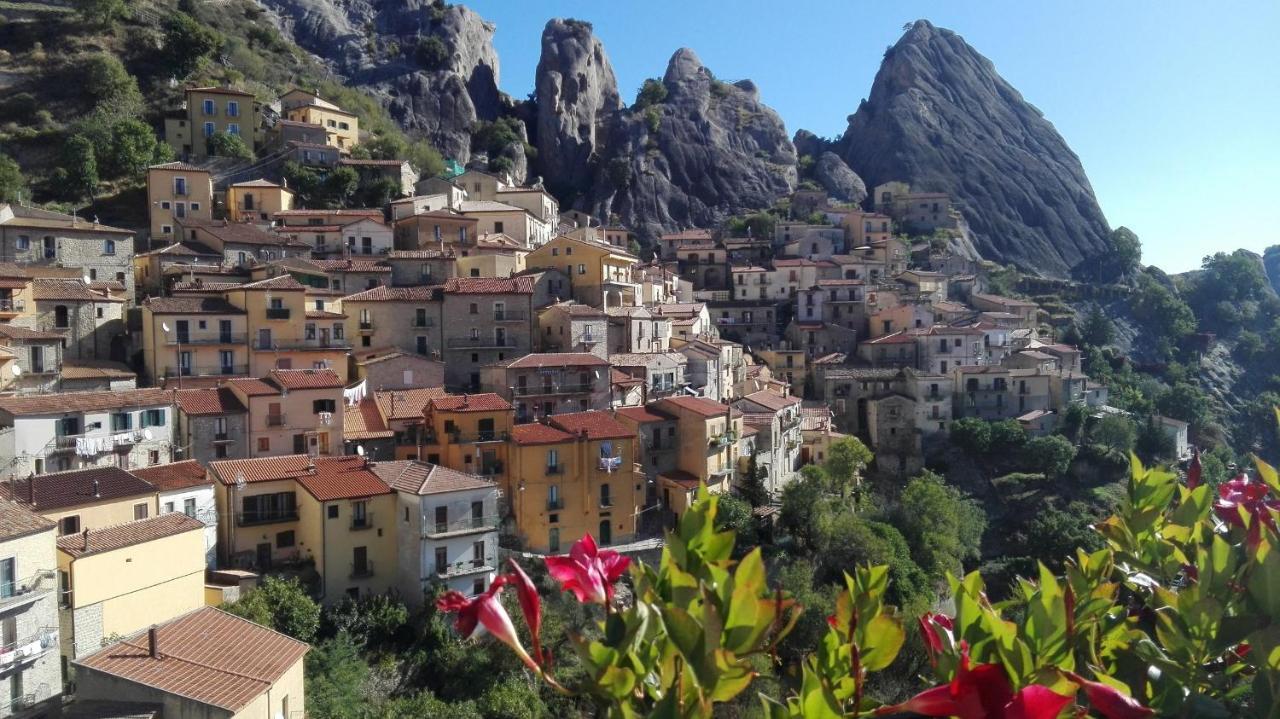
pixel 364 421
pixel 342 478
pixel 595 424
pixel 175 475
pixel 324 315
pixel 306 378
pixel 643 414
pixel 352 265
pixel 484 402
pixel 240 233
pixel 46 288
pixel 901 337
pixel 119 536
pixel 60 490
pixel 558 359
pixel 207 656
pixel 180 166
pixel 347 212
pixel 420 254
pixel 74 369
pixel 577 310
pixel 283 282
pixel 84 401
pixel 17 520
pixel 422 478
pixel 372 163
pixel 698 405
pixel 422 293
pixel 185 249
pixel 771 400
pixel 253 387
pixel 15 332
pixel 261 182
pixel 617 376
pixel 407 403
pixel 682 478
pixel 201 287
pixel 489 285
pixel 191 305
pixel 536 433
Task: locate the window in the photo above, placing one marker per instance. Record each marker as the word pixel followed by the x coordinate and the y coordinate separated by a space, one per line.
pixel 168 508
pixel 153 418
pixel 121 422
pixel 264 444
pixel 69 525
pixel 442 560
pixel 195 207
pixel 324 405
pixel 582 269
pixel 208 129
pixel 208 107
pixel 497 227
pixel 553 540
pixel 553 460
pixel 60 316
pixel 189 506
pixel 284 539
pixel 109 247
pixel 233 109
pixel 24 242
pixel 140 510
pixel 474 309
pixel 605 499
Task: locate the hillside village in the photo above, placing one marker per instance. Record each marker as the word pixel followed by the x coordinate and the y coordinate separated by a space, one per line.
pixel 392 398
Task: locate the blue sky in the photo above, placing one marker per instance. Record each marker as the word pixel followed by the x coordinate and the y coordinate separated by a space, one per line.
pixel 1173 107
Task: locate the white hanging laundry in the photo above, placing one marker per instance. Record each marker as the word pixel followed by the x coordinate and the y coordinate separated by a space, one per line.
pixel 354 395
pixel 82 447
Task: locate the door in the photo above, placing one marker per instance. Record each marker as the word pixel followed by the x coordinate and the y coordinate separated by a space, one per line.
pixel 264 339
pixel 248 205
pixel 485 427
pixel 606 532
pixel 264 556
pixel 184 330
pixel 37 359
pixel 224 331
pixel 360 561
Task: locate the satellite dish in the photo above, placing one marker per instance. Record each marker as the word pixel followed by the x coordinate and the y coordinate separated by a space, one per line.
pixel 87 279
pixel 146 433
pixel 17 371
pixel 360 450
pixel 164 326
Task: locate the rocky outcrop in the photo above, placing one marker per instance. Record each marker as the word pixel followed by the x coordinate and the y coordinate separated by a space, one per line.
pixel 576 95
pixel 941 118
pixel 711 149
pixel 1271 265
pixel 433 66
pixel 838 180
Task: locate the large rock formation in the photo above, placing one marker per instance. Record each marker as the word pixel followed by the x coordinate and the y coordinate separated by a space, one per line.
pixel 941 118
pixel 837 179
pixel 433 66
pixel 1271 265
pixel 711 149
pixel 576 94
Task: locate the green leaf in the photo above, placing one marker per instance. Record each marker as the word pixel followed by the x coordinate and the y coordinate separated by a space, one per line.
pixel 815 701
pixel 883 638
pixel 1264 584
pixel 1268 474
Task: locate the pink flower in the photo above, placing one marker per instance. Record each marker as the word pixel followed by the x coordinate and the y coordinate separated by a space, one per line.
pixel 1109 701
pixel 931 628
pixel 983 692
pixel 588 571
pixel 485 610
pixel 1252 496
pixel 530 605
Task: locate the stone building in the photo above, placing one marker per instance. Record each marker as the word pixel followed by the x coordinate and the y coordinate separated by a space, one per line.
pixel 28 613
pixel 36 238
pixel 490 320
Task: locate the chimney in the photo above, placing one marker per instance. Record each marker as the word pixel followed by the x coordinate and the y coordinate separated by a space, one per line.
pixel 85 536
pixel 96 489
pixel 31 490
pixel 153 642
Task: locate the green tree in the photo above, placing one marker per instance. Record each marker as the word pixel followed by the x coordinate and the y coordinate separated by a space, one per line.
pixel 1115 432
pixel 847 458
pixel 1162 311
pixel 187 42
pixel 752 487
pixel 133 148
pixel 81 167
pixel 373 621
pixel 1098 330
pixel 431 53
pixel 335 679
pixel 105 78
pixel 736 514
pixel 1186 402
pixel 283 605
pixel 1073 420
pixel 1050 455
pixel 341 185
pixel 971 434
pixel 848 540
pixel 1006 436
pixel 942 525
pixel 12 183
pixel 1126 249
pixel 1153 443
pixel 803 502
pixel 652 92
pixel 1053 534
pixel 223 144
pixel 100 12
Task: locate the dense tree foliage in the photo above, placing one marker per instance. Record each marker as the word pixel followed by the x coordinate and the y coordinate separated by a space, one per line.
pixel 283 605
pixel 12 183
pixel 223 144
pixel 652 92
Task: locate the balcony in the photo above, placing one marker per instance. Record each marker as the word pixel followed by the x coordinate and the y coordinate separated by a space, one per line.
pixel 362 570
pixel 610 464
pixel 510 316
pixel 277 313
pixel 479 437
pixel 27 649
pixel 463 568
pixel 251 519
pixel 555 504
pixel 208 371
pixel 360 523
pixel 10 306
pixel 275 420
pixel 228 338
pixel 459 527
pixel 490 469
pixel 27 589
pixel 723 440
pixel 366 325
pixel 555 469
pixel 423 322
pixel 483 343
pixel 547 390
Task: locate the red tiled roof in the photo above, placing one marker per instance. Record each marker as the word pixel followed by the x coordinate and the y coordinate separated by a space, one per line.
pixel 558 359
pixel 253 387
pixel 191 305
pixel 485 402
pixel 52 288
pixel 175 475
pixel 364 421
pixel 536 433
pixel 306 378
pixel 283 282
pixel 699 405
pixel 489 285
pixel 241 233
pixel 595 424
pixel 17 520
pixel 84 401
pixel 15 332
pixel 771 400
pixel 382 293
pixel 407 403
pixel 74 369
pixel 617 376
pixel 643 414
pixel 682 478
pixel 342 478
pixel 422 478
pixel 206 656
pixel 901 337
pixel 119 536
pixel 59 490
pixel 352 265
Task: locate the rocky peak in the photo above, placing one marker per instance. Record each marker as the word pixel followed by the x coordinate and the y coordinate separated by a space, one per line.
pixel 941 118
pixel 577 93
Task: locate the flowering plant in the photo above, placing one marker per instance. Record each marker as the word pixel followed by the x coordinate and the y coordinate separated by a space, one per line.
pixel 1179 615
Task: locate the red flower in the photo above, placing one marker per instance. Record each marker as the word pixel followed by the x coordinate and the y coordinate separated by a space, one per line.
pixel 983 692
pixel 1252 496
pixel 931 627
pixel 530 605
pixel 1193 471
pixel 485 610
pixel 1109 701
pixel 588 571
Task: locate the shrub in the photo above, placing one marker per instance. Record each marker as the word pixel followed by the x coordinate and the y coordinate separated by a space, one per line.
pixel 187 42
pixel 100 12
pixel 105 78
pixel 81 167
pixel 653 119
pixel 12 183
pixel 431 52
pixel 1050 456
pixel 222 144
pixel 652 92
pixel 133 147
pixel 971 434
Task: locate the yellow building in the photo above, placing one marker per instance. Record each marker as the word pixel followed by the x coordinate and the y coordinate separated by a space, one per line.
pixel 467 432
pixel 279 332
pixel 331 512
pixel 342 128
pixel 707 453
pixel 206 663
pixel 292 412
pixel 118 579
pixel 789 365
pixel 177 191
pixel 205 336
pixel 85 498
pixel 257 201
pixel 574 475
pixel 600 274
pixel 211 110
